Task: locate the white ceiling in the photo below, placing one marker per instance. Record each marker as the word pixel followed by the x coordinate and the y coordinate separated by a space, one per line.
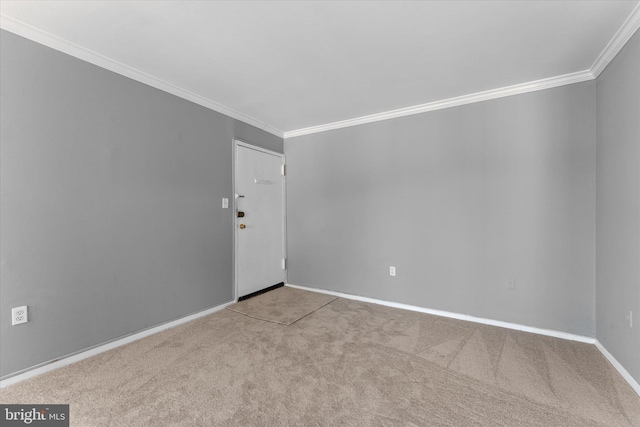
pixel 286 66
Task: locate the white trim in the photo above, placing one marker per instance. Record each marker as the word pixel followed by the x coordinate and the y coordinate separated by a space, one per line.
pixel 47 39
pixel 85 354
pixel 548 332
pixel 285 248
pixel 452 315
pixel 240 143
pixel 250 146
pixel 622 36
pixel 626 31
pixel 486 95
pixel 625 374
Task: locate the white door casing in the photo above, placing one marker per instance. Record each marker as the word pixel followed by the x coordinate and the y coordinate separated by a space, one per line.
pixel 260 234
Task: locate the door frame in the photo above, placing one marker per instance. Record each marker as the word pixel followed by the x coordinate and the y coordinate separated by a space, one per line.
pixel 240 143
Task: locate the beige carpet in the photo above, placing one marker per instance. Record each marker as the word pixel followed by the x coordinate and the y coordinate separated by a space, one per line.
pixel 283 305
pixel 349 363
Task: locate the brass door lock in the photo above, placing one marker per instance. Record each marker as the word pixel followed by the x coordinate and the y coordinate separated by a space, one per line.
pixel 240 214
pixel 242 226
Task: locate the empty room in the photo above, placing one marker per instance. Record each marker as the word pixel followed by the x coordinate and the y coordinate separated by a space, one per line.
pixel 320 213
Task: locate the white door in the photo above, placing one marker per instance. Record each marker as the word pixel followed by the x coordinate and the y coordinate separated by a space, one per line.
pixel 259 219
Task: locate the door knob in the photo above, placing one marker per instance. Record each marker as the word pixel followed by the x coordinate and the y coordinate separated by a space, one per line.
pixel 240 214
pixel 242 226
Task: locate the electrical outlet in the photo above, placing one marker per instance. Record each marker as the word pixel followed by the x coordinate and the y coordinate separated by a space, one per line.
pixel 511 284
pixel 19 315
pixel 392 271
pixel 630 317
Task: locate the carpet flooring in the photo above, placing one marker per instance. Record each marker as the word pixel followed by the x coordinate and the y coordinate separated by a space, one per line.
pixel 347 363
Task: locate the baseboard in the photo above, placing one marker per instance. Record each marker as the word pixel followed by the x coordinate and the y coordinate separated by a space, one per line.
pixel 508 325
pixel 548 332
pixel 101 348
pixel 621 370
pixel 84 354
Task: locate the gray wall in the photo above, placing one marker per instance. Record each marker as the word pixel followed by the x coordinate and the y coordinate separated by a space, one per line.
pixel 460 201
pixel 618 207
pixel 111 214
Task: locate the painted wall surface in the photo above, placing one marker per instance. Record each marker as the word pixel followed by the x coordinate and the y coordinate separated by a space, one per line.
pixel 461 201
pixel 618 207
pixel 111 215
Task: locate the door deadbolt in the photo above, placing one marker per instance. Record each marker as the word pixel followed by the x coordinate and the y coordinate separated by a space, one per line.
pixel 240 214
pixel 242 226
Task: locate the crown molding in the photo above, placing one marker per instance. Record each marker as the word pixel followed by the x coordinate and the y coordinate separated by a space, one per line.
pixel 518 89
pixel 42 37
pixel 622 36
pixel 626 31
